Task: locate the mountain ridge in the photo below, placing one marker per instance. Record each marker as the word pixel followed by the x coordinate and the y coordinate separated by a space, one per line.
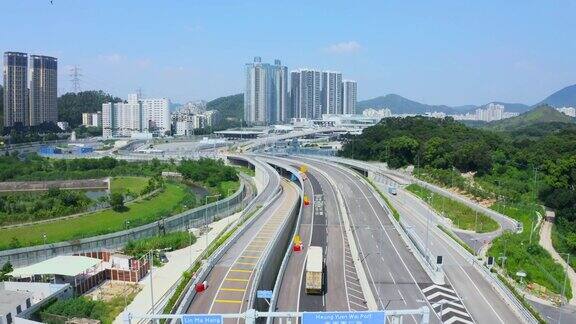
pixel 402 105
pixel 543 114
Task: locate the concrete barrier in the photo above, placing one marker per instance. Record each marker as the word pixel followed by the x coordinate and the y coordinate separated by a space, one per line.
pixel 186 299
pixel 271 266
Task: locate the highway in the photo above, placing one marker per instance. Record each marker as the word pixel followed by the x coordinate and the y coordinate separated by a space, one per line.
pixel 231 278
pixel 484 304
pixel 394 274
pixel 321 225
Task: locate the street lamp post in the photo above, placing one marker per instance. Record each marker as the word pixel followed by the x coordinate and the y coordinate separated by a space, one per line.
pixel 44 237
pixel 428 228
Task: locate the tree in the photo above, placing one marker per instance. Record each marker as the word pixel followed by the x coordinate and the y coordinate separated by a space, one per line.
pixel 117 202
pixel 72 105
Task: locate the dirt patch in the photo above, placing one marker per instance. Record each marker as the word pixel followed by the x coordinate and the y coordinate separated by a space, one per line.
pixel 111 289
pixel 483 202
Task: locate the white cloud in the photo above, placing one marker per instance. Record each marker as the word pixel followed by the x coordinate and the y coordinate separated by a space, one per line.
pixel 111 58
pixel 344 47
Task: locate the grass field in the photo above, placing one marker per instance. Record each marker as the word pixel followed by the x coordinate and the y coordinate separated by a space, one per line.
pixel 125 185
pixel 246 170
pixel 107 221
pixel 228 188
pixel 462 216
pixel 521 255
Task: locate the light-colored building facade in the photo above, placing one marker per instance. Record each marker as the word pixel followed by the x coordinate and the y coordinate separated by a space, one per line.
pixel 212 118
pixel 43 89
pixel 136 116
pixel 490 112
pixel 570 111
pixel 349 97
pixel 15 73
pixel 92 119
pixel 156 114
pixel 381 113
pixel 306 93
pixel 331 92
pixel 265 95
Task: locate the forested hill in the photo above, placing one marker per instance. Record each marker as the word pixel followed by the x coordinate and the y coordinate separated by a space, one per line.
pixel 504 160
pixel 441 143
pixel 72 105
pixel 540 115
pixel 231 108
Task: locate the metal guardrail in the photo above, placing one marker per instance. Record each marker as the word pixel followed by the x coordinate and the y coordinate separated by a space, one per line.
pixel 250 316
pixel 507 295
pixel 435 273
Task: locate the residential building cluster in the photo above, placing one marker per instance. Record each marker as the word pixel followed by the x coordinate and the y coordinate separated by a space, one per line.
pixel 135 117
pixel 269 99
pixel 382 113
pixel 569 111
pixel 92 119
pixel 193 117
pixel 488 113
pixel 30 89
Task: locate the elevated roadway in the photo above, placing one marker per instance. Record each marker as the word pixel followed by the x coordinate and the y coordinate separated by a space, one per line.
pixel 321 225
pixel 230 279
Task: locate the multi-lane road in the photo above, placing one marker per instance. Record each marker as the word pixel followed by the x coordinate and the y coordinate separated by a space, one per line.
pixel 321 225
pixel 377 265
pixel 483 302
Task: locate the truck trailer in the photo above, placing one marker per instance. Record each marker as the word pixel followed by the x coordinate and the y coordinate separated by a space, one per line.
pixel 314 271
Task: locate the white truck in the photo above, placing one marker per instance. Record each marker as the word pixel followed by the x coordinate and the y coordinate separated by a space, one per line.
pixel 314 270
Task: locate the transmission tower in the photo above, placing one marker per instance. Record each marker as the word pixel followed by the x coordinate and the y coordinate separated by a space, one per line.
pixel 75 78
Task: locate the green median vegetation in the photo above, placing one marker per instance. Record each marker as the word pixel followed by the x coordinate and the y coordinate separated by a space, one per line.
pixel 462 216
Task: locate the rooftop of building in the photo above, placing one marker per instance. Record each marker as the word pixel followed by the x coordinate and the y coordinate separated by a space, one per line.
pixel 64 265
pixel 9 300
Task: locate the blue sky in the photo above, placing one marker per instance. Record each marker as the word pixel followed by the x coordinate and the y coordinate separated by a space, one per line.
pixel 437 52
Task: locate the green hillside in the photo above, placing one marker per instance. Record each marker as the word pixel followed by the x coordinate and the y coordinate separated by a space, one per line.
pixel 540 115
pixel 231 108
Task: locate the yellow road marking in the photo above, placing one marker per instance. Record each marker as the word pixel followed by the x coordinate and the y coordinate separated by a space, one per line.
pixel 253 251
pixel 232 289
pixel 228 301
pixel 249 257
pixel 236 279
pixel 246 263
pixel 240 270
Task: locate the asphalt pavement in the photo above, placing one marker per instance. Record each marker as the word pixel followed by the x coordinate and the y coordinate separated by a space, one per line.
pixel 394 274
pixel 482 302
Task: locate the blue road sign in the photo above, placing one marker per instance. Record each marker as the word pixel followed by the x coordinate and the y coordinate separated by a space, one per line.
pixel 202 319
pixel 378 317
pixel 264 294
